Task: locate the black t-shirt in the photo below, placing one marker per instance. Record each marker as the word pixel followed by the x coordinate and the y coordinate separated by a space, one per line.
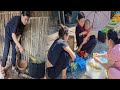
pixel 79 39
pixel 56 49
pixel 14 25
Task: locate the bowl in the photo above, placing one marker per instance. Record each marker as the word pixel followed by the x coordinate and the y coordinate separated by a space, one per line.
pixel 22 65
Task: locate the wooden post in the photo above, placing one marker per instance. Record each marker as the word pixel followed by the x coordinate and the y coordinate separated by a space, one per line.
pixel 63 15
pixel 59 17
pixel 71 42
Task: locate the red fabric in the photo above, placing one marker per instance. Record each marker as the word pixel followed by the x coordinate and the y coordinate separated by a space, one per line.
pixel 82 30
pixel 82 53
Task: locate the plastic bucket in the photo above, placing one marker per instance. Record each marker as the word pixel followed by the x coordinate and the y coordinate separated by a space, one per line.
pixel 36 70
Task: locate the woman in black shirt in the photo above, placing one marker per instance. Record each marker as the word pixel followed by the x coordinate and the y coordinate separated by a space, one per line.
pixel 82 43
pixel 58 55
pixel 14 29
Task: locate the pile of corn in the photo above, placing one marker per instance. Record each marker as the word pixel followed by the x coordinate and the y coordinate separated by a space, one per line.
pixel 32 58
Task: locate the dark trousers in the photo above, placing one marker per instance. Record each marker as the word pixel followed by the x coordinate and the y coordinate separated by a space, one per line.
pixel 62 63
pixel 6 52
pixel 89 46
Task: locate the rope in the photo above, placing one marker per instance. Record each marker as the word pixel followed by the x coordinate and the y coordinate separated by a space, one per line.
pixel 93 20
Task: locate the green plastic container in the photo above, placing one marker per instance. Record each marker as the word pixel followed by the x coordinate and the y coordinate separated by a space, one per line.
pixel 105 30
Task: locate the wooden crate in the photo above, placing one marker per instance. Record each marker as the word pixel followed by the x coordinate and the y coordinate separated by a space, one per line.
pixel 71 42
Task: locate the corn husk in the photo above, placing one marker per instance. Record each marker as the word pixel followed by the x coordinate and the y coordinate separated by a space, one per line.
pixel 73 65
pixel 32 58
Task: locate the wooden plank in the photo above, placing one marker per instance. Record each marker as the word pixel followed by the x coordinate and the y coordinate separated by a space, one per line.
pixel 71 42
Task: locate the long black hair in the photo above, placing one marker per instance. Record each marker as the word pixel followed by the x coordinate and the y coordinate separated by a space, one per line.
pixel 63 31
pixel 113 36
pixel 26 13
pixel 80 15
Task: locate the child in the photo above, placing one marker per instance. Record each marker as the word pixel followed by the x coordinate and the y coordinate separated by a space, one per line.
pixel 88 31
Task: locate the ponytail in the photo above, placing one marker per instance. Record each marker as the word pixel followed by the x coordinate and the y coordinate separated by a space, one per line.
pixel 26 13
pixel 118 41
pixel 63 30
pixel 113 36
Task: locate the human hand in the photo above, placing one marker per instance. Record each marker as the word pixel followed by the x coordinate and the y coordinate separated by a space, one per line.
pixel 96 55
pixel 82 33
pixel 16 47
pixel 21 49
pixel 96 59
pixel 77 50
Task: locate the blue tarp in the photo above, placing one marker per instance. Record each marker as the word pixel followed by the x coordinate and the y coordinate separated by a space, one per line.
pixel 104 60
pixel 80 64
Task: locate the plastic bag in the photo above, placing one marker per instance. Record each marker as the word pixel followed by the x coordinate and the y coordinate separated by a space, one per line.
pixel 100 74
pixel 1 76
pixel 78 64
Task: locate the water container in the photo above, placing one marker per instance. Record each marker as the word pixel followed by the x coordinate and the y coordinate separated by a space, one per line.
pixel 104 60
pixel 36 70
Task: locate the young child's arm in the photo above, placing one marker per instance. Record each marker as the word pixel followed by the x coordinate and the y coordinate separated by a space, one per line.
pixel 82 33
pixel 89 34
pixel 84 42
pixel 86 38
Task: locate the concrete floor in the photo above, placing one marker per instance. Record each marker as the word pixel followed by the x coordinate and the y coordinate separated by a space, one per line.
pixel 82 74
pixel 53 34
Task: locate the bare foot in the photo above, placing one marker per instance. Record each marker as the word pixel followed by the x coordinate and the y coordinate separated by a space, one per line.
pixel 64 73
pixel 13 71
pixel 13 67
pixel 86 54
pixel 3 71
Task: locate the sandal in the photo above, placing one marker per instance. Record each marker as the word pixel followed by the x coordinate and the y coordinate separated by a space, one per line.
pixel 3 72
pixel 14 71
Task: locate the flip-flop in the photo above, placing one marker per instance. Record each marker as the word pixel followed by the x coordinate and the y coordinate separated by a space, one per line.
pixel 3 72
pixel 14 71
